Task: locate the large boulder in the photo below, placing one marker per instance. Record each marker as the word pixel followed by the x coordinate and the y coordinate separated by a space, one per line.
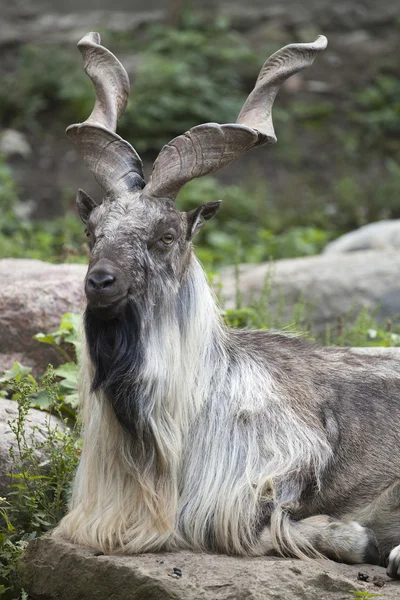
pixel 33 297
pixel 36 426
pixel 382 235
pixel 57 570
pixel 331 285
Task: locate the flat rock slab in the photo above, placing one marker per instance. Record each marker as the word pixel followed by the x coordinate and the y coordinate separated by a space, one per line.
pixel 56 570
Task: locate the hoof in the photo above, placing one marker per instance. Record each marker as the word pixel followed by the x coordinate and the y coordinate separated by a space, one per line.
pixel 393 568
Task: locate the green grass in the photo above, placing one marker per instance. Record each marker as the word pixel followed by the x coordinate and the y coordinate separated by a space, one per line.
pixel 365 595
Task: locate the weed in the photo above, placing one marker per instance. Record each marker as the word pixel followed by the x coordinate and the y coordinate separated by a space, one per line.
pixel 42 469
pixel 364 594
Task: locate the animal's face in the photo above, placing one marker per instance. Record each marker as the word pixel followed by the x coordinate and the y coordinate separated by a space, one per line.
pixel 139 250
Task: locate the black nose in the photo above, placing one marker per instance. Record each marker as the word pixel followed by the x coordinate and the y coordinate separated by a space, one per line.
pixel 99 279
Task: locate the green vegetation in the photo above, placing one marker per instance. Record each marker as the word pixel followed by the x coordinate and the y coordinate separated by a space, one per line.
pixel 65 340
pixel 364 594
pixel 172 93
pixel 38 490
pixel 378 114
pixel 48 85
pixel 351 330
pixel 45 81
pixel 195 66
pixel 59 240
pixel 244 229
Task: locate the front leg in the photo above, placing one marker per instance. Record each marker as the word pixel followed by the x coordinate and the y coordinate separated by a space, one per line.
pixel 321 536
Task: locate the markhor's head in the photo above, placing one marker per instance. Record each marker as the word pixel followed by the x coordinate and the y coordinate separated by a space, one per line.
pixel 140 243
pixel 140 249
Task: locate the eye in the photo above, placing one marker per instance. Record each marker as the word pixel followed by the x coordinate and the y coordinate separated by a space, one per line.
pixel 87 233
pixel 167 239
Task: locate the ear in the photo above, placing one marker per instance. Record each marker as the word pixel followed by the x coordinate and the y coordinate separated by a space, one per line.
pixel 85 205
pixel 206 211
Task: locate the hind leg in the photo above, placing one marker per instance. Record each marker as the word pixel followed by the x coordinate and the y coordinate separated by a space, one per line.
pixel 383 516
pixel 321 536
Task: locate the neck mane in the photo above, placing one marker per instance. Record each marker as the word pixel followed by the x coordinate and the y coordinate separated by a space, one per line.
pixel 155 365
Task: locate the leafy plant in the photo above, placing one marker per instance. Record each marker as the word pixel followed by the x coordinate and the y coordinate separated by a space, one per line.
pixel 241 230
pixel 364 594
pixel 66 341
pixel 10 552
pixel 57 240
pixel 16 373
pixel 363 331
pixel 46 78
pixel 378 111
pixel 66 338
pixel 43 467
pixel 193 66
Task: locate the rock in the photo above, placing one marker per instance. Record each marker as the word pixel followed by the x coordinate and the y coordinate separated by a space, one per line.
pixel 379 351
pixel 270 33
pixel 382 235
pixel 331 285
pixel 33 297
pixel 70 27
pixel 53 569
pixel 14 143
pixel 36 419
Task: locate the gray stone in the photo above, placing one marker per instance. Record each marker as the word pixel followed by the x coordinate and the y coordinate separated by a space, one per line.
pixel 70 27
pixel 271 33
pixel 53 569
pixel 331 285
pixel 36 425
pixel 381 235
pixel 34 295
pixel 379 351
pixel 14 143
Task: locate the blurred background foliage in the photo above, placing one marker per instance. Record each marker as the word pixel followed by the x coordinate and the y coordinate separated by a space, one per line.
pixel 337 154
